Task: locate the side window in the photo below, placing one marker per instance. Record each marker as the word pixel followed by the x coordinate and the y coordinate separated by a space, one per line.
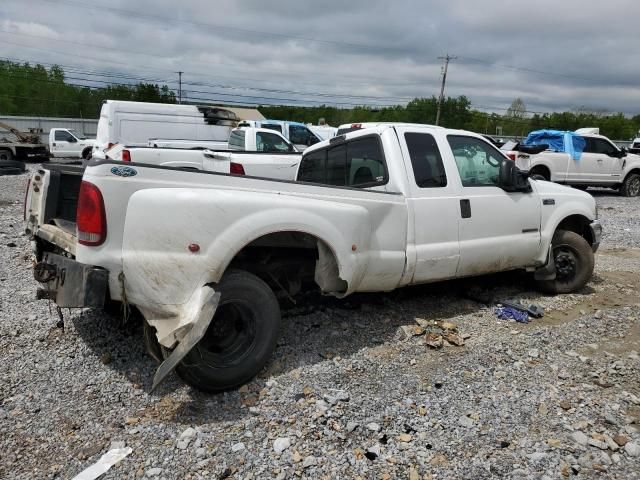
pixel 270 142
pixel 602 146
pixel 236 139
pixel 300 135
pixel 337 166
pixel 478 162
pixel 365 162
pixel 312 167
pixel 426 161
pixel 62 136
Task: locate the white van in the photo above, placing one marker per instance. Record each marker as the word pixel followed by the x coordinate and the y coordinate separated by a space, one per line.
pixel 134 123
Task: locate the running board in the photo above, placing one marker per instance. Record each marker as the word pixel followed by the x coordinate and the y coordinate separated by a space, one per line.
pixel 209 307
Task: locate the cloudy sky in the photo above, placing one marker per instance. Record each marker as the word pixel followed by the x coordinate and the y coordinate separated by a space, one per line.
pixel 554 54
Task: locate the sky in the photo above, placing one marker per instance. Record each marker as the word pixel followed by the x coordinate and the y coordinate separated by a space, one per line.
pixel 556 55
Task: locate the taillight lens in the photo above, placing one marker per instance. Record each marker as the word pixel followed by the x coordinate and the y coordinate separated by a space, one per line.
pixel 236 168
pixel 26 194
pixel 511 156
pixel 126 156
pixel 356 125
pixel 91 217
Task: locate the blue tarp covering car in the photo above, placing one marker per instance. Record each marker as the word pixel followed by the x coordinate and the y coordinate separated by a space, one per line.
pixel 558 141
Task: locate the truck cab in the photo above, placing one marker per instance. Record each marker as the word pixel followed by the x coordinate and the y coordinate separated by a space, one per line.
pixel 66 142
pixel 297 133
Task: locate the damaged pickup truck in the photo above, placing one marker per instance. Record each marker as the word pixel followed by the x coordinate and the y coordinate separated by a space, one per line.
pixel 207 257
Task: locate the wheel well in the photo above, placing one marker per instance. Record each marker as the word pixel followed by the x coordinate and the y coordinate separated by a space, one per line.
pixel 85 150
pixel 635 170
pixel 579 225
pixel 289 260
pixel 542 170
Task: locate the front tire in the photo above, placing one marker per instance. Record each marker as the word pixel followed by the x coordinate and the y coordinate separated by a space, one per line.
pixel 574 262
pixel 631 185
pixel 241 338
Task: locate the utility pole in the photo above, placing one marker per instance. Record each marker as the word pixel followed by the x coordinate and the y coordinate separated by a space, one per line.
pixel 180 86
pixel 446 59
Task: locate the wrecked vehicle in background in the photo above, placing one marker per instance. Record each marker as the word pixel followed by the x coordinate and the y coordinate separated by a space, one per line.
pixel 205 256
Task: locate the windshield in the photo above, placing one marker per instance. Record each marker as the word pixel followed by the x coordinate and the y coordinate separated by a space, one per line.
pixel 77 135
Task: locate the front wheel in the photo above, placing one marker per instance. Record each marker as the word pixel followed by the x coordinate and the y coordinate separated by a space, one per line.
pixel 6 154
pixel 240 339
pixel 631 185
pixel 574 262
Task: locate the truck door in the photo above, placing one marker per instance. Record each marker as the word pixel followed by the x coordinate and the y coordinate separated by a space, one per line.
pixel 608 160
pixel 498 230
pixel 591 166
pixel 433 207
pixel 64 144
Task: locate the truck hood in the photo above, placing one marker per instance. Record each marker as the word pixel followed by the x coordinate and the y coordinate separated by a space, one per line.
pixel 544 188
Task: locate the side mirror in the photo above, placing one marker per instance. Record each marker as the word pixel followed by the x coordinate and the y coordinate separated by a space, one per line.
pixel 511 178
pixel 72 139
pixel 623 152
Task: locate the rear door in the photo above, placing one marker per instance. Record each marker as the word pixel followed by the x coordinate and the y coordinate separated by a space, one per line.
pixel 498 230
pixel 432 205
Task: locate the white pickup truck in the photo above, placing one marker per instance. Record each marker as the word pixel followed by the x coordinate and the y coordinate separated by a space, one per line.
pixel 66 142
pixel 205 256
pixel 601 164
pixel 258 152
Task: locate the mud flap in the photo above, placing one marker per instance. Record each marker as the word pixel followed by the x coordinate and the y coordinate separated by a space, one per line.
pixel 548 271
pixel 209 306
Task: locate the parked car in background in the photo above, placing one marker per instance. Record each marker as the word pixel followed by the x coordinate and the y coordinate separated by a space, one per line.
pixel 296 132
pixel 66 142
pixel 635 146
pixel 250 151
pixel 134 123
pixel 205 256
pixel 583 158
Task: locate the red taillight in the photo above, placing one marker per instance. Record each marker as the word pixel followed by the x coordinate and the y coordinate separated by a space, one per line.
pixel 91 217
pixel 126 156
pixel 356 125
pixel 26 194
pixel 236 168
pixel 511 156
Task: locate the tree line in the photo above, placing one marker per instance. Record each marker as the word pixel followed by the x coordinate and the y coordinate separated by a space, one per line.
pixel 27 89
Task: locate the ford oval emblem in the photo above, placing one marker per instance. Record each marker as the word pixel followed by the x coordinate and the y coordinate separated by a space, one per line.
pixel 124 171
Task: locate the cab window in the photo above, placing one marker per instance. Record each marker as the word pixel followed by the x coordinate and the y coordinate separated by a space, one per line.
pixel 478 162
pixel 236 139
pixel 62 136
pixel 428 169
pixel 598 145
pixel 359 163
pixel 270 142
pixel 299 135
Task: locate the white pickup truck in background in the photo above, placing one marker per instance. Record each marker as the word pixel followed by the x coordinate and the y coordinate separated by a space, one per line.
pixel 206 256
pixel 66 142
pixel 601 164
pixel 258 152
pixel 297 133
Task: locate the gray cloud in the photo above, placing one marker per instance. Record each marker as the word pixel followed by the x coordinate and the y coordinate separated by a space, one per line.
pixel 554 55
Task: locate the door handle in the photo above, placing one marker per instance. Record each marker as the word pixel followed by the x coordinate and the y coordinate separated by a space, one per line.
pixel 465 208
pixel 599 160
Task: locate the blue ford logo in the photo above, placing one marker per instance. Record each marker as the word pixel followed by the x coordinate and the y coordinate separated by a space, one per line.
pixel 124 171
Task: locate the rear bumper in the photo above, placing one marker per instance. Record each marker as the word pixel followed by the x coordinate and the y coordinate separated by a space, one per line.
pixel 596 234
pixel 69 283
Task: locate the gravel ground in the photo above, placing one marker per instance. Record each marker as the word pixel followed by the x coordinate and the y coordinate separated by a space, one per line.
pixel 350 393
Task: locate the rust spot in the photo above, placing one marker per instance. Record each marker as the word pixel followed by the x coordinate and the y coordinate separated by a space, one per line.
pixel 194 247
pixel 354 247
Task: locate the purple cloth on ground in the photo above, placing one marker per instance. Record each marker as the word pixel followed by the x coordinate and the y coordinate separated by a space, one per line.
pixel 506 313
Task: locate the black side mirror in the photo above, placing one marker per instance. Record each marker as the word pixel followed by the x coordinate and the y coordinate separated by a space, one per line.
pixel 511 178
pixel 623 152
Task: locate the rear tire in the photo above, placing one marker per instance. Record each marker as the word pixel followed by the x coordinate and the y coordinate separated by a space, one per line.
pixel 574 262
pixel 631 185
pixel 6 154
pixel 241 338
